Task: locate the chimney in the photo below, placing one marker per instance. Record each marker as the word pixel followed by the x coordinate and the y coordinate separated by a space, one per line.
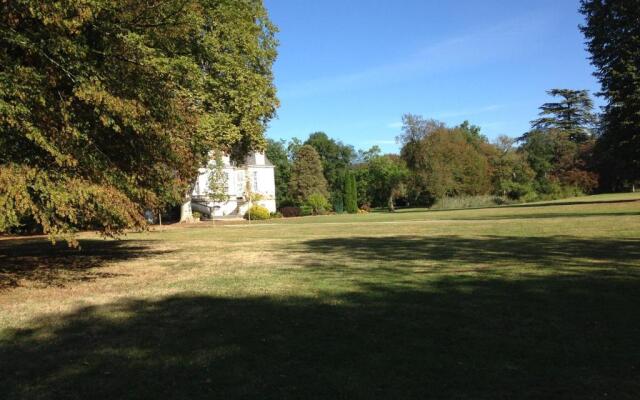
pixel 259 157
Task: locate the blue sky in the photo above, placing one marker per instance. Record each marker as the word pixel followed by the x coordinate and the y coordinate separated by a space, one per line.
pixel 352 68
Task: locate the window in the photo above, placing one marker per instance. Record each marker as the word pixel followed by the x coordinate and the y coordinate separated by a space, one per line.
pixel 255 181
pixel 239 183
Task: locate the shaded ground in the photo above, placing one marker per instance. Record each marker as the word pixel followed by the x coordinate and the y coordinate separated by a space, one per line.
pixel 36 262
pixel 555 253
pixel 461 338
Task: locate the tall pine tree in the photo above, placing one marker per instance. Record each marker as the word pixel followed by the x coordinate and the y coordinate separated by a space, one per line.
pixel 612 31
pixel 573 114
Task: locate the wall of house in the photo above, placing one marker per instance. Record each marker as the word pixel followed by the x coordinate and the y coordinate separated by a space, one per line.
pixel 261 179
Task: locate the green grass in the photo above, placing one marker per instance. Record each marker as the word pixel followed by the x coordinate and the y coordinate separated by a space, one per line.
pixel 534 301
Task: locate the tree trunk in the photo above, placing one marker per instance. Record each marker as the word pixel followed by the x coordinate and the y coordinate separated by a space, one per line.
pixel 185 211
pixel 390 204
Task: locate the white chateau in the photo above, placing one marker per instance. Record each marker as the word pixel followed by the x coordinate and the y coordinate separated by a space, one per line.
pixel 256 175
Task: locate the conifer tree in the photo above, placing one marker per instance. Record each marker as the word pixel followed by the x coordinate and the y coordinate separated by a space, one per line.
pixel 350 193
pixel 612 31
pixel 573 114
pixel 307 177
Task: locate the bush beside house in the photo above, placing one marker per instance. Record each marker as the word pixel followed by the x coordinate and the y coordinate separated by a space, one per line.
pixel 257 212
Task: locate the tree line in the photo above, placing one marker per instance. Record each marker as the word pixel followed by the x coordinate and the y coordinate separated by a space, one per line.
pixel 554 159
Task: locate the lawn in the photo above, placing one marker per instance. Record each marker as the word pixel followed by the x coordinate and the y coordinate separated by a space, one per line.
pixel 536 301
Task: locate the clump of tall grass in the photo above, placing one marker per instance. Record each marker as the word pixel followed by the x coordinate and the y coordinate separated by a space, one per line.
pixel 449 203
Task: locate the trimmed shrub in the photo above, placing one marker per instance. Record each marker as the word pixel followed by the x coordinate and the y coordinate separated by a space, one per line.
pixel 196 215
pixel 291 211
pixel 257 212
pixel 276 214
pixel 318 203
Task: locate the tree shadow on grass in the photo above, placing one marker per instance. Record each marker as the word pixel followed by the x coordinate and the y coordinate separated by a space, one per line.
pixel 573 203
pixel 526 205
pixel 39 262
pixel 545 216
pixel 466 338
pixel 557 253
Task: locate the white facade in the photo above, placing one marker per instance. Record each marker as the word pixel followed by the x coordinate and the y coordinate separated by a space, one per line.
pixel 257 173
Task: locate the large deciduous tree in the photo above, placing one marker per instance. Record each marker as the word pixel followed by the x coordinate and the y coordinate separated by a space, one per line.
pixel 511 175
pixel 414 130
pixel 110 107
pixel 387 179
pixel 612 31
pixel 445 161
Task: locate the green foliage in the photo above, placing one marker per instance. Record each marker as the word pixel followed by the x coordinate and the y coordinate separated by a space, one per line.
pixel 573 114
pixel 337 202
pixel 444 161
pixel 276 214
pixel 387 178
pixel 350 193
pixel 360 173
pixel 306 175
pixel 363 183
pixel 218 180
pixel 612 32
pixel 512 176
pixel 472 133
pixel 558 161
pixel 365 155
pixel 257 212
pixel 196 215
pixel 293 146
pixel 335 157
pixel 108 108
pixel 277 153
pixel 459 162
pixel 415 129
pixel 338 197
pixel 60 204
pixel 317 203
